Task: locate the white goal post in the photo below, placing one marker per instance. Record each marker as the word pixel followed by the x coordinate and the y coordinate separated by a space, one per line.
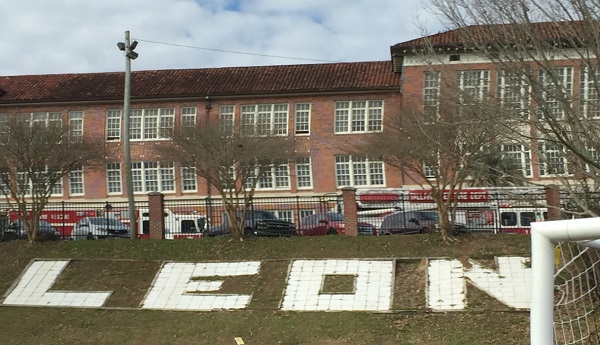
pixel 544 259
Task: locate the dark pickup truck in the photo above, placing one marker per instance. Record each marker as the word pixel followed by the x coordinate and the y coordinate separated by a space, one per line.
pixel 257 223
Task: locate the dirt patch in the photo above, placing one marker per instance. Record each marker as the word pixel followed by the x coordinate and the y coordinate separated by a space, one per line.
pixel 338 284
pixel 409 286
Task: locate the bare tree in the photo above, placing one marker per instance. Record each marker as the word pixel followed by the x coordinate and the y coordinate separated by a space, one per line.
pixel 546 54
pixel 233 162
pixel 34 159
pixel 437 145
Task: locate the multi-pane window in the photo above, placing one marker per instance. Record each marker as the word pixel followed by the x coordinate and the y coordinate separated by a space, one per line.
pixel 226 117
pixel 188 117
pixel 513 92
pixel 474 85
pixel 302 118
pixel 277 176
pixel 153 177
pixel 303 173
pixel 264 119
pixel 520 156
pixel 113 178
pixel 358 116
pixel 552 159
pixel 188 179
pixel 4 127
pixel 113 125
pixel 589 92
pixel 431 95
pixel 76 181
pixel 358 171
pixel 429 171
pixel 286 215
pixel 52 119
pixel 151 124
pixel 76 126
pixel 555 86
pixel 38 182
pixel 303 213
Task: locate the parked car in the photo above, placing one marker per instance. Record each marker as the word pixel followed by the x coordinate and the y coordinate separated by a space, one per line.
pixel 94 228
pixel 16 230
pixel 257 223
pixel 330 223
pixel 411 222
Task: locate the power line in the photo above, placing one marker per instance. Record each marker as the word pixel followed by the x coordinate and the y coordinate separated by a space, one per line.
pixel 231 51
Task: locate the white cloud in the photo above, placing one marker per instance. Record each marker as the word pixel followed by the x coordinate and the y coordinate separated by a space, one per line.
pixel 69 36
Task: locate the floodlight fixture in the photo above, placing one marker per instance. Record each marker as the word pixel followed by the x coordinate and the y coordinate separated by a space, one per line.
pixel 121 46
pixel 133 45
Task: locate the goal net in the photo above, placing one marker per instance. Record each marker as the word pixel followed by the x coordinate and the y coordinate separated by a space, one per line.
pixel 566 292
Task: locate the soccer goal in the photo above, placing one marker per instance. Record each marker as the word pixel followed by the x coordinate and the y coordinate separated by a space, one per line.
pixel 565 262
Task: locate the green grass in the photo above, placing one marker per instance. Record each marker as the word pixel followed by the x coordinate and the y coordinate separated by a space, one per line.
pixel 128 267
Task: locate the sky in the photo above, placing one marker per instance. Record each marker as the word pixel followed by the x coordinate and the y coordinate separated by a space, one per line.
pixel 80 36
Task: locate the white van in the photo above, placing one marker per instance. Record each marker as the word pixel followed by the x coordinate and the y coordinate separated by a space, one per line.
pixel 176 225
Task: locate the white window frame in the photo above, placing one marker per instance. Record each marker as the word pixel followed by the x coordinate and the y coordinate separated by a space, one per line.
pixel 57 189
pixel 305 212
pixel 265 119
pixel 431 95
pixel 358 116
pixel 304 173
pixel 187 117
pixel 76 126
pixel 287 215
pixel 114 184
pixel 521 154
pixel 473 83
pixel 549 152
pixel 227 117
pixel 52 118
pixel 189 179
pixel 353 167
pixel 302 112
pixel 153 177
pixel 151 124
pixel 76 182
pixel 513 91
pixel 565 78
pixel 589 92
pixel 275 177
pixel 113 125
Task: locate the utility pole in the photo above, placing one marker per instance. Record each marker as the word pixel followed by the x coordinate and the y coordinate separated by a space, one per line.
pixel 128 48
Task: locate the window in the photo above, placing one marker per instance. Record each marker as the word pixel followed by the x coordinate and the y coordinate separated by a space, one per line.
pixel 429 171
pixel 188 179
pixel 431 95
pixel 302 118
pixel 303 173
pixel 520 155
pixel 552 160
pixel 474 85
pixel 265 119
pixel 4 127
pixel 38 182
pixel 358 116
pixel 113 178
pixel 188 117
pixel 40 118
pixel 152 177
pixel 303 213
pixel 151 124
pixel 76 126
pixel 226 117
pixel 358 171
pixel 76 182
pixel 589 87
pixel 286 215
pixel 277 176
pixel 554 87
pixel 113 125
pixel 513 92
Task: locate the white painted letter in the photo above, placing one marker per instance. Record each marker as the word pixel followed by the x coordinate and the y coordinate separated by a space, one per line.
pixel 175 286
pixel 32 289
pixel 373 285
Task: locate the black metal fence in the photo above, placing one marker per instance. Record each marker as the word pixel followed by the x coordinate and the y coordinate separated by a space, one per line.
pixel 379 213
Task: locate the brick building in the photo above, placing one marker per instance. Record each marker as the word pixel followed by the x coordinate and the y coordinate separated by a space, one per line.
pixel 326 108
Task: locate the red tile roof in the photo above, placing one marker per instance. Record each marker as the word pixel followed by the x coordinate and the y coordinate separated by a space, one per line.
pixel 568 31
pixel 177 83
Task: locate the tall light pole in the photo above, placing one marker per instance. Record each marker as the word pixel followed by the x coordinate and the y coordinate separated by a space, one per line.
pixel 128 48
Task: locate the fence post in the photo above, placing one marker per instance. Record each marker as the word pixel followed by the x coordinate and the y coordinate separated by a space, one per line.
pixel 350 211
pixel 156 210
pixel 553 202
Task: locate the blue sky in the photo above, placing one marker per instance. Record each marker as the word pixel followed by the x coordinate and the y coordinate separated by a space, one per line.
pixel 70 36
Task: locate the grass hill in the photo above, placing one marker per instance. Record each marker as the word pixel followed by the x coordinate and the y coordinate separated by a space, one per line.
pixel 129 267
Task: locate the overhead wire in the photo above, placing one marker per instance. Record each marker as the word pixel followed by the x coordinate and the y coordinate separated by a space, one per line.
pixel 232 51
